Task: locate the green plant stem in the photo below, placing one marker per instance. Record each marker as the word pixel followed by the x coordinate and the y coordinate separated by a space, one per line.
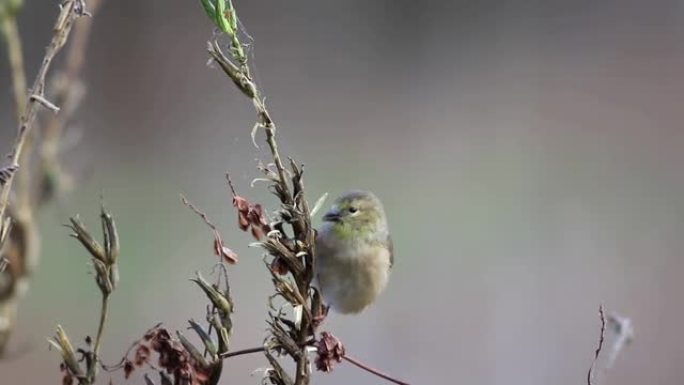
pixel 89 379
pixel 104 310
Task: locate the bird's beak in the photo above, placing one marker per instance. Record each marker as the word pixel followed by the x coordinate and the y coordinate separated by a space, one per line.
pixel 333 215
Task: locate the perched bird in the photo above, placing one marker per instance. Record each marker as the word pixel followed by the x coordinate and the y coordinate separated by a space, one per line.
pixel 354 252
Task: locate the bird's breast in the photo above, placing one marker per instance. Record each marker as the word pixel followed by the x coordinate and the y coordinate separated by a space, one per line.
pixel 351 278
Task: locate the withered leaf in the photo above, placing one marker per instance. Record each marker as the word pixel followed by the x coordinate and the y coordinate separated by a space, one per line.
pixel 240 203
pixel 142 355
pixel 220 249
pixel 278 266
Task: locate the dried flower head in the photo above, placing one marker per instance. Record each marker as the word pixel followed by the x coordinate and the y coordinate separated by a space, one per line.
pixel 330 350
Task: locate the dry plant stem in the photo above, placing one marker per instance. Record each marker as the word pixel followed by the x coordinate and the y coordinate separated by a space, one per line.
pixel 295 255
pixel 243 352
pixel 367 368
pixel 302 375
pixel 602 337
pixel 302 230
pixel 95 359
pixel 69 12
pixel 346 357
pixel 104 257
pixel 16 59
pixel 24 228
pixel 28 104
pixel 272 144
pixel 15 54
pixel 104 310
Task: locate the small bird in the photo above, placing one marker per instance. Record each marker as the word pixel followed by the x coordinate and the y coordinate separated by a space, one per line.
pixel 354 252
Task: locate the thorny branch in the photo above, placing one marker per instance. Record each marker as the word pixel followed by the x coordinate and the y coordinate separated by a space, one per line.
pixel 345 357
pixel 374 371
pixel 23 244
pixel 602 337
pixel 21 250
pixel 70 10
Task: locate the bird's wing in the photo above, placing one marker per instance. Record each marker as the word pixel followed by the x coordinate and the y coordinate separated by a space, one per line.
pixel 390 247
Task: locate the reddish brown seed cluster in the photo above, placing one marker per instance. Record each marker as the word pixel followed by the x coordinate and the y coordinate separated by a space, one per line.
pixel 174 359
pixel 251 217
pixel 330 350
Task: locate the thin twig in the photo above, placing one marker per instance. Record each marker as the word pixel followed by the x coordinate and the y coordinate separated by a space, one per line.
pixel 15 55
pixel 199 212
pixel 590 373
pixel 104 310
pixel 243 352
pixel 230 184
pixel 70 10
pixel 367 368
pixel 346 357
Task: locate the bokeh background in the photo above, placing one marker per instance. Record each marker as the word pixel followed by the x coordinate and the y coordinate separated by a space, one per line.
pixel 529 155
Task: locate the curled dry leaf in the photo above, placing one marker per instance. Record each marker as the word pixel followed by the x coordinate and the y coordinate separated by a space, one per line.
pixel 279 266
pixel 221 250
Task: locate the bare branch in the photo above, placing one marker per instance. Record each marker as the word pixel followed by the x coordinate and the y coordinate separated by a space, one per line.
pixel 371 370
pixel 590 373
pixel 199 212
pixel 70 10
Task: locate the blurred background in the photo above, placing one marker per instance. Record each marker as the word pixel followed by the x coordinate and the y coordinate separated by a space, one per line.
pixel 529 157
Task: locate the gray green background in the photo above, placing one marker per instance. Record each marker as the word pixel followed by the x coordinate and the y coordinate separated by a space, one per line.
pixel 529 155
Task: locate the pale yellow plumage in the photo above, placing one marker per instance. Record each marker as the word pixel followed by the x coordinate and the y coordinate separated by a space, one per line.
pixel 354 252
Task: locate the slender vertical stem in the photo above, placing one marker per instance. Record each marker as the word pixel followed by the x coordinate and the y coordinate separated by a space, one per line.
pixel 104 310
pixel 23 214
pixel 95 356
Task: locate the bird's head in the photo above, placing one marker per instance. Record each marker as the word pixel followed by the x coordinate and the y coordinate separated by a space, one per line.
pixel 357 211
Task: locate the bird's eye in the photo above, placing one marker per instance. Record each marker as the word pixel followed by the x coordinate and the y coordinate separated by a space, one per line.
pixel 353 210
